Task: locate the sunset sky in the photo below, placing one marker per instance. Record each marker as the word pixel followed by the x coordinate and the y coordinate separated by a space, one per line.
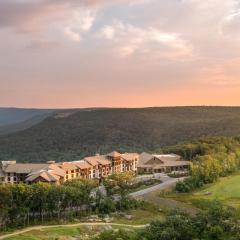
pixel 119 53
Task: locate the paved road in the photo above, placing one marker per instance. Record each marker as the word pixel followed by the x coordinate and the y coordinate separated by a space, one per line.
pixel 167 182
pixel 69 225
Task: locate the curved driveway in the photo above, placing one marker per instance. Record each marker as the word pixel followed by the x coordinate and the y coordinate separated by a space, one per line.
pixel 168 182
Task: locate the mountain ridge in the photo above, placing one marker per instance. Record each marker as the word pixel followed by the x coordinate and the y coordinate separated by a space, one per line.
pixel 94 131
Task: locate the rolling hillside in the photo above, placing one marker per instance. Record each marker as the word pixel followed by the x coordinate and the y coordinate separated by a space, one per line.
pixel 11 116
pixel 7 129
pixel 72 136
pixel 18 119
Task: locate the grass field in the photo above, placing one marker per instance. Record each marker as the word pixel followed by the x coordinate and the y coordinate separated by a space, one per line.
pixel 227 190
pixel 165 204
pixel 66 233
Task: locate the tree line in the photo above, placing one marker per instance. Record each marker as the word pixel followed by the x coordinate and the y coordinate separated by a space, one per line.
pixel 22 205
pixel 210 158
pixel 217 223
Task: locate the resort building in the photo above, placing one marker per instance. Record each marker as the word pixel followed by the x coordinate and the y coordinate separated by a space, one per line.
pixel 13 172
pixel 94 167
pixel 153 163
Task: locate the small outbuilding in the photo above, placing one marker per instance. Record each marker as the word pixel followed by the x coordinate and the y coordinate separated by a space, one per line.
pixel 161 163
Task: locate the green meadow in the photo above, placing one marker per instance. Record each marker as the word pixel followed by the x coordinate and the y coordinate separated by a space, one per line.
pixel 226 190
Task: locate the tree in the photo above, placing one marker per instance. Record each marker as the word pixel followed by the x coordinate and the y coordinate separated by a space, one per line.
pixel 119 183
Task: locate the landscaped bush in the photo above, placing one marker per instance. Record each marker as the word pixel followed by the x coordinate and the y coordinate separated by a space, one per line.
pixel 178 174
pixel 147 183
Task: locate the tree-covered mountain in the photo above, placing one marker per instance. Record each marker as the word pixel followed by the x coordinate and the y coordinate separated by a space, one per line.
pixel 15 127
pixel 11 116
pixel 17 119
pixel 81 133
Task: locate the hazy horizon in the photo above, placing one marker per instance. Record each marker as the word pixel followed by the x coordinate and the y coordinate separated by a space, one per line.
pixel 120 107
pixel 123 53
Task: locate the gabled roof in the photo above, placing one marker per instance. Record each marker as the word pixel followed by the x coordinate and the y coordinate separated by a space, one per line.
pixel 68 166
pixel 165 160
pixel 92 160
pixel 5 163
pixel 104 162
pixel 47 176
pixel 53 168
pixel 114 154
pixel 144 158
pixel 99 159
pixel 25 168
pixel 82 164
pixel 130 156
pixel 170 157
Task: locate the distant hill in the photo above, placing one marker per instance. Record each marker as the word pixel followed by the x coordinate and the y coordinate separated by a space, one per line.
pixel 10 116
pixel 71 136
pixel 18 119
pixel 7 129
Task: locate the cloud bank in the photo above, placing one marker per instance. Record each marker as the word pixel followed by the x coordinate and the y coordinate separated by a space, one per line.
pixel 153 52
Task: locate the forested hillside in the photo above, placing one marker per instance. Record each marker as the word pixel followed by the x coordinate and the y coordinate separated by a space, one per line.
pixel 10 116
pixel 102 130
pixel 18 119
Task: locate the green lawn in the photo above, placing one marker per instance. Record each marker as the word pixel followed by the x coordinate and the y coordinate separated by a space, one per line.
pixel 227 190
pixel 224 189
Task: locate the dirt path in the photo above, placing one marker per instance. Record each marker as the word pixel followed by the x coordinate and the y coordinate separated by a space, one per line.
pixel 68 225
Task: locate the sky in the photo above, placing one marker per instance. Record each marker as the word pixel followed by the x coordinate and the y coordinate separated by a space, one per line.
pixel 119 53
